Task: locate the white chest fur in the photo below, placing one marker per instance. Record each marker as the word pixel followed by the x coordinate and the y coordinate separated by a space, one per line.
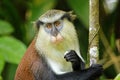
pixel 55 57
pixel 60 65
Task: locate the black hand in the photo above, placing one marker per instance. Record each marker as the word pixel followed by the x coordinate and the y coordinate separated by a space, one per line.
pixel 77 63
pixel 94 71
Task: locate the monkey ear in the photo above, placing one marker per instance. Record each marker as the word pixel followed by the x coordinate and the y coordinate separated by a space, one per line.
pixel 36 24
pixel 72 16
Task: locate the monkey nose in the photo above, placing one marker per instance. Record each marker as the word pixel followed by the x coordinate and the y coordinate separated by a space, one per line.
pixel 56 39
pixel 54 32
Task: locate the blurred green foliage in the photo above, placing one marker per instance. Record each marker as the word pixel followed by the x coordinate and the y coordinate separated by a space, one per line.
pixel 81 8
pixel 5 28
pixel 17 31
pixel 10 47
pixel 117 77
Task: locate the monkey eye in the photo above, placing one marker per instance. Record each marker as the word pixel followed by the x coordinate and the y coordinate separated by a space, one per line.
pixel 57 23
pixel 49 25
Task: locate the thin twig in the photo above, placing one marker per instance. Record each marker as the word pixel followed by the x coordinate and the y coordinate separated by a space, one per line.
pixel 110 52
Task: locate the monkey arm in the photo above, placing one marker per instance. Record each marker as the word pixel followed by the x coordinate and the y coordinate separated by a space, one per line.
pixel 77 63
pixel 91 73
pixel 79 67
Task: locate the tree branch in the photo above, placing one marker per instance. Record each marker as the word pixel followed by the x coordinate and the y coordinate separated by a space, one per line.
pixel 93 31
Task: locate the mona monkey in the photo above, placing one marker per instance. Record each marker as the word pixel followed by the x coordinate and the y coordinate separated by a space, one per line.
pixel 54 53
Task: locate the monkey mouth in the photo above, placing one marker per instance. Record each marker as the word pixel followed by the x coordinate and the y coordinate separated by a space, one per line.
pixel 56 39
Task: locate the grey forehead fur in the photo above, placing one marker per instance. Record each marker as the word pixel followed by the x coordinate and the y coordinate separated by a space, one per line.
pixel 52 15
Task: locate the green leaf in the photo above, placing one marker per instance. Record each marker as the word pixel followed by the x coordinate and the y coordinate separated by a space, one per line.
pixel 117 77
pixel 2 63
pixel 9 71
pixel 12 49
pixel 1 77
pixel 81 8
pixel 5 28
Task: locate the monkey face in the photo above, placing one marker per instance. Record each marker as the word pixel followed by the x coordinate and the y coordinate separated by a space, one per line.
pixel 56 26
pixel 54 30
